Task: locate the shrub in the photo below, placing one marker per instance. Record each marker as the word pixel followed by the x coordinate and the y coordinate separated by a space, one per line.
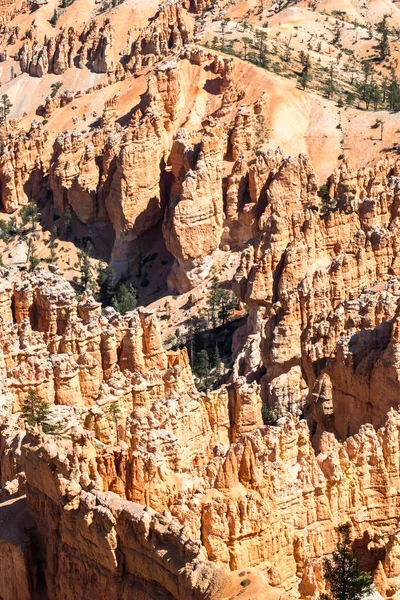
pixel 119 294
pixel 54 18
pixel 269 416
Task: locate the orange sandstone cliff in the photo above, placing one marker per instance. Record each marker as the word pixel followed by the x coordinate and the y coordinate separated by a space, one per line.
pixel 181 143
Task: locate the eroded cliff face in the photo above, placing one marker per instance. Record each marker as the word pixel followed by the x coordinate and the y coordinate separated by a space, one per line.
pixel 146 487
pixel 320 340
pixel 310 279
pixel 223 492
pixel 121 180
pixel 95 47
pixel 193 223
pixel 125 544
pixel 90 48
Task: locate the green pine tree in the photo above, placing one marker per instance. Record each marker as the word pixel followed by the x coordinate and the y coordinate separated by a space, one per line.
pixel 214 301
pixel 217 361
pixel 305 78
pixel 115 414
pixel 345 578
pixel 33 259
pixel 85 265
pixel 227 303
pixel 202 366
pixel 53 245
pixel 107 282
pixel 125 298
pixel 246 43
pixel 384 45
pixel 68 220
pixel 5 107
pixel 29 212
pixel 35 411
pixel 54 18
pixel 122 296
pixel 330 87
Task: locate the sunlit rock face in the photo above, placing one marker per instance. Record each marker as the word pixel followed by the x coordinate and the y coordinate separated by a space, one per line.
pixel 137 125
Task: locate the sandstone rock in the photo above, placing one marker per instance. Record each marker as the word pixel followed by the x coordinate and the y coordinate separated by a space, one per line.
pixel 193 223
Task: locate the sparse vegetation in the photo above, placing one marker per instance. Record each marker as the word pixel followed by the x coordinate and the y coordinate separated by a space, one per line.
pixel 29 214
pixel 67 220
pixel 8 229
pixel 54 18
pixel 85 265
pixel 202 368
pixel 35 411
pixel 269 415
pixel 54 88
pixel 221 303
pixel 33 259
pixel 337 77
pixel 115 414
pixel 117 293
pixel 346 580
pixel 5 107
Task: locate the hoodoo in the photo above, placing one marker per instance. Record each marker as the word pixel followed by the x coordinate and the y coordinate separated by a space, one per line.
pixel 199 300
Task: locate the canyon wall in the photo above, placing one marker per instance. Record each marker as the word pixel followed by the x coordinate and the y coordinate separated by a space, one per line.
pixel 137 484
pixel 222 492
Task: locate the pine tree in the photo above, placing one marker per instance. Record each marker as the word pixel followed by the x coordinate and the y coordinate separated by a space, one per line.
pixel 33 259
pixel 376 95
pixel 53 245
pixel 385 86
pixel 350 97
pixel 68 220
pixel 107 282
pixel 125 298
pixel 246 44
pixel 367 69
pixel 5 107
pixel 29 212
pixel 384 46
pixel 122 296
pixel 370 93
pixel 226 305
pixel 214 301
pixel 85 265
pixel 167 310
pixel 202 366
pixel 306 73
pixel 304 79
pixel 224 25
pixel 394 95
pixel 34 410
pixel 288 50
pixel 179 339
pixel 269 415
pixel 115 414
pixel 217 361
pixel 330 87
pixel 337 34
pixel 345 578
pixel 327 204
pixel 261 39
pixel 54 18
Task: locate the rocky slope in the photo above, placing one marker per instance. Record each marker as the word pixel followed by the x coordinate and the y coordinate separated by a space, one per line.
pixel 180 149
pixel 206 463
